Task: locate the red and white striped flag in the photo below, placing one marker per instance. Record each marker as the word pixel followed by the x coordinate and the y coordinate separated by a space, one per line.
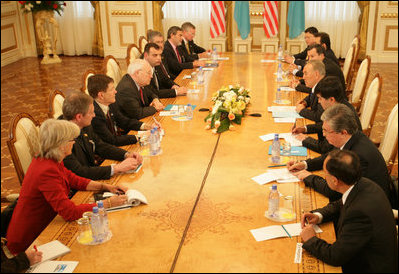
pixel 218 22
pixel 270 18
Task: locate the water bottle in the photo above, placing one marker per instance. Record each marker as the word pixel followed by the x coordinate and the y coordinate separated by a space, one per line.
pixel 153 143
pixel 276 150
pixel 96 227
pixel 278 96
pixel 279 73
pixel 158 138
pixel 273 203
pixel 200 76
pixel 214 54
pixel 104 219
pixel 280 52
pixel 189 112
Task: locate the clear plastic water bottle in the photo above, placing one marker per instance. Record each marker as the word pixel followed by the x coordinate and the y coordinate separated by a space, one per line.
pixel 273 202
pixel 153 143
pixel 280 73
pixel 278 96
pixel 104 219
pixel 189 112
pixel 280 52
pixel 276 150
pixel 214 54
pixel 200 76
pixel 96 227
pixel 158 138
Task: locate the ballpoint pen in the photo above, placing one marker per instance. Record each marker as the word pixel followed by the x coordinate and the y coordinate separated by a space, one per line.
pixel 306 219
pixel 286 231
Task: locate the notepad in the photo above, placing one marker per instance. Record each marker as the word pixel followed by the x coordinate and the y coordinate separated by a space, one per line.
pixel 176 107
pixel 285 114
pixel 52 250
pixel 285 120
pixel 187 76
pixel 280 175
pixel 277 231
pixel 281 108
pixel 54 267
pixel 295 151
pixel 134 198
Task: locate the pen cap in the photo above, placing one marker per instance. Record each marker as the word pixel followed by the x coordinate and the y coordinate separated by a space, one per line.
pixel 100 204
pixel 95 209
pixel 274 186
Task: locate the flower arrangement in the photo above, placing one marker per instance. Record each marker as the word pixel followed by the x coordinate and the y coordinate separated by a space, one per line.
pixel 230 105
pixel 28 6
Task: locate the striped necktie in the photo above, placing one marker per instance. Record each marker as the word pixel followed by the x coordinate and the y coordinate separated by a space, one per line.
pixel 141 94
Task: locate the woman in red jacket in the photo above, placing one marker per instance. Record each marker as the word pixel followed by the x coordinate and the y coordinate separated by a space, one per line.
pixel 46 185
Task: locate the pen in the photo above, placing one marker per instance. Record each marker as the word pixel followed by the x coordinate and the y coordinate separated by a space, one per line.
pixel 286 231
pixel 35 247
pixel 306 219
pixel 277 165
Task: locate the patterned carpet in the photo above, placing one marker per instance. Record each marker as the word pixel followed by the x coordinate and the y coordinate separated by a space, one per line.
pixel 26 84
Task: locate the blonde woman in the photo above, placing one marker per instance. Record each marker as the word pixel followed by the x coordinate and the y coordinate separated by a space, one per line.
pixel 46 185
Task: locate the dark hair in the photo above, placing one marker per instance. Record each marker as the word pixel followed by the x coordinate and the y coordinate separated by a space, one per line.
pixel 330 86
pixel 173 30
pixel 97 83
pixel 76 103
pixel 344 165
pixel 324 39
pixel 311 30
pixel 319 48
pixel 148 46
pixel 152 33
pixel 187 25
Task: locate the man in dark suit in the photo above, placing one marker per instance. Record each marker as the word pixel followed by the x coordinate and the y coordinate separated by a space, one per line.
pixel 342 131
pixel 329 92
pixel 109 120
pixel 309 40
pixel 309 107
pixel 134 98
pixel 174 58
pixel 366 236
pixel 152 54
pixel 317 52
pixel 323 39
pixel 78 108
pixel 188 47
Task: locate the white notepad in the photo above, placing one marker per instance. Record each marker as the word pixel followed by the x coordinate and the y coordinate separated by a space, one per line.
pixel 52 250
pixel 54 267
pixel 277 231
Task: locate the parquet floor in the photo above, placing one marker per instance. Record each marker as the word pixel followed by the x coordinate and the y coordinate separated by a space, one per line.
pixel 26 84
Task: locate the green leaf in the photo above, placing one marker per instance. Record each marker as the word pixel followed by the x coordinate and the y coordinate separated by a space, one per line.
pixel 224 125
pixel 237 119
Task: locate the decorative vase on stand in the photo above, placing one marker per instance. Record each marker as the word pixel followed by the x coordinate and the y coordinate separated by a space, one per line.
pixel 42 30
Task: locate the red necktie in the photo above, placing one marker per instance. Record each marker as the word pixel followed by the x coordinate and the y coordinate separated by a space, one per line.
pixel 141 94
pixel 110 123
pixel 178 56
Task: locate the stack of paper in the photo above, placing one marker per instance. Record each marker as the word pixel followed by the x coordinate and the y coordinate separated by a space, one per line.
pixel 285 120
pixel 267 61
pixel 278 231
pixel 281 175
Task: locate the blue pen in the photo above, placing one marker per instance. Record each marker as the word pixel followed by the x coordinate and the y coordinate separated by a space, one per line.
pixel 286 231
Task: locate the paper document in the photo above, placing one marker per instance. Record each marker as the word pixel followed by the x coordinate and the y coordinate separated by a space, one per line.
pixel 285 120
pixel 267 61
pixel 267 137
pixel 208 69
pixel 285 114
pixel 277 231
pixel 187 76
pixel 289 137
pixel 281 108
pixel 222 58
pixel 287 89
pixel 280 175
pixel 134 198
pixel 168 113
pixel 54 267
pixel 295 151
pixel 193 91
pixel 52 250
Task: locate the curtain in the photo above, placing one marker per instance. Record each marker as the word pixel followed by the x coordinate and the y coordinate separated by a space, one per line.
pixel 337 18
pixel 76 28
pixel 157 15
pixel 98 45
pixel 198 13
pixel 364 21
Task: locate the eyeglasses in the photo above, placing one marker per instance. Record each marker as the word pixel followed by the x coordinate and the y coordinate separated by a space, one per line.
pixel 326 131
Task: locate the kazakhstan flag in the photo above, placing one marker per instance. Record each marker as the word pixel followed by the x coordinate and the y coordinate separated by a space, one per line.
pixel 241 15
pixel 296 18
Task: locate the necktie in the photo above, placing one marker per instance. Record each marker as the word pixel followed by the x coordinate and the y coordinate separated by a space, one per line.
pixel 141 94
pixel 178 56
pixel 164 70
pixel 110 123
pixel 155 77
pixel 188 48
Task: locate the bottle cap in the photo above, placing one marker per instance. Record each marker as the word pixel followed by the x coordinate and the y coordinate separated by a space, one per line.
pixel 274 187
pixel 189 105
pixel 95 209
pixel 100 204
pixel 276 135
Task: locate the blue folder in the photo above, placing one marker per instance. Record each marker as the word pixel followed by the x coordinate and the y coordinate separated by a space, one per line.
pixel 295 151
pixel 169 107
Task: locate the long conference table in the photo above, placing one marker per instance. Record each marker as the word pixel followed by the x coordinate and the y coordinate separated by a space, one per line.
pixel 202 202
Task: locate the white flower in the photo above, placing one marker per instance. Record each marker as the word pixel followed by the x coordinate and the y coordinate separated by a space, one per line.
pixel 240 98
pixel 216 107
pixel 230 87
pixel 214 131
pixel 241 90
pixel 247 99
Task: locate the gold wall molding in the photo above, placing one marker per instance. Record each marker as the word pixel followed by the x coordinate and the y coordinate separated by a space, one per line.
pixel 125 12
pixel 375 25
pixel 108 27
pixel 387 32
pixel 256 13
pixel 15 37
pixel 392 3
pixel 127 24
pixel 389 15
pixel 8 14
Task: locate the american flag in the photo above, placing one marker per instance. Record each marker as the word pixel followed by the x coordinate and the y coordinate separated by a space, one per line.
pixel 218 21
pixel 270 18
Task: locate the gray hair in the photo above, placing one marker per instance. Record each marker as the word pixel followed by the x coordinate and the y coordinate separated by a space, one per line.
pixel 76 103
pixel 318 66
pixel 52 135
pixel 153 33
pixel 340 117
pixel 136 65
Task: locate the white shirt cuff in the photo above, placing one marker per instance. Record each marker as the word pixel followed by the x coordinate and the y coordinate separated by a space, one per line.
pixel 176 91
pixel 112 170
pixel 306 165
pixel 294 71
pixel 320 217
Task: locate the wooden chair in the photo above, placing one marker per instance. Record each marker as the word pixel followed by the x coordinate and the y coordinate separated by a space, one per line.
pixel 347 68
pixel 389 144
pixel 22 142
pixel 142 42
pixel 360 83
pixel 133 52
pixel 86 75
pixel 55 100
pixel 356 43
pixel 112 69
pixel 370 105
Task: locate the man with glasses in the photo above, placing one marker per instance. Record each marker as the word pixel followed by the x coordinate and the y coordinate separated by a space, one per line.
pixel 342 131
pixel 134 97
pixel 188 47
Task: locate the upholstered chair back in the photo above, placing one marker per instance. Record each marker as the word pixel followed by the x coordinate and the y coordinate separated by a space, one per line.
pixel 112 69
pixel 348 63
pixel 142 42
pixel 133 53
pixel 370 104
pixel 360 82
pixel 86 75
pixel 389 143
pixel 56 99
